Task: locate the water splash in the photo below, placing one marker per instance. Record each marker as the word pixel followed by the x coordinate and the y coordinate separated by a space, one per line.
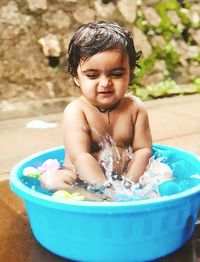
pixel 115 165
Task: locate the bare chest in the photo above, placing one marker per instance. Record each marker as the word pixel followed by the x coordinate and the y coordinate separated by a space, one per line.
pixel 117 126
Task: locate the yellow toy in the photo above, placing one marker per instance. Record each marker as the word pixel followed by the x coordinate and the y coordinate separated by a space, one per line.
pixel 64 195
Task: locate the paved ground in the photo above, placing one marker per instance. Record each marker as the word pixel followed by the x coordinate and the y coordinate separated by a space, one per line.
pixel 174 121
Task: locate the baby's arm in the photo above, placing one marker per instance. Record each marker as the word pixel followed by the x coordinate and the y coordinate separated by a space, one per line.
pixel 142 146
pixel 78 160
pixel 59 179
pixel 77 141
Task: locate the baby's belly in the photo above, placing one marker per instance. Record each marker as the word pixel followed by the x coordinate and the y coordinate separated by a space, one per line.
pixel 115 151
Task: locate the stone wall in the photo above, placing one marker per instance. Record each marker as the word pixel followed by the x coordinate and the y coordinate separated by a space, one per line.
pixel 34 35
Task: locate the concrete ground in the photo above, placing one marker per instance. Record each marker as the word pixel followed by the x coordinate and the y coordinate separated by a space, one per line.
pixel 174 121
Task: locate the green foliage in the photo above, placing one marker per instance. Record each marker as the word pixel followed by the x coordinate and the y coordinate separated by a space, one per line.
pixel 168 32
pixel 166 28
pixel 146 65
pixel 197 58
pixel 165 88
pixel 153 90
pixel 184 19
pixel 170 56
pixel 196 83
pixel 162 88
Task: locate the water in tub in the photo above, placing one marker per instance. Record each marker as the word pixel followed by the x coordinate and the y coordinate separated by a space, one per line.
pixel 157 180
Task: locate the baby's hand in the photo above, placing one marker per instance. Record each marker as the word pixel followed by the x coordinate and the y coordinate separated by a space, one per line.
pixel 59 179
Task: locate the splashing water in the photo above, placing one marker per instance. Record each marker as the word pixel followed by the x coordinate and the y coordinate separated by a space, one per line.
pixel 106 158
pixel 118 187
pixel 147 187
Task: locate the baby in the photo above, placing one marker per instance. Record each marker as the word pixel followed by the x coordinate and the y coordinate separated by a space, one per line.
pixel 101 60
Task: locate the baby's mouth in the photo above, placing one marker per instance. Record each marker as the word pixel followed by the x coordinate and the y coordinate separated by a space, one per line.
pixel 105 92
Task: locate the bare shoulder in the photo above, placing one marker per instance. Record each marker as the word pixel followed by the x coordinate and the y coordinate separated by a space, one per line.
pixel 73 106
pixel 74 113
pixel 136 103
pixel 74 109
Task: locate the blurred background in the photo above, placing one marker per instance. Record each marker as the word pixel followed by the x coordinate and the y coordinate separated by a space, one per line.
pixel 35 87
pixel 34 35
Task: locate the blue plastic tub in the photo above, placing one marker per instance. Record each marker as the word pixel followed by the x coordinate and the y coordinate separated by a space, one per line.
pixel 113 231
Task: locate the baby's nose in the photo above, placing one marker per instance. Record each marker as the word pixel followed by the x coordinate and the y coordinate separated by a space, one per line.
pixel 105 82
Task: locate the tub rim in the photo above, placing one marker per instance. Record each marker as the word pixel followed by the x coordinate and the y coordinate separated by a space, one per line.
pixel 28 194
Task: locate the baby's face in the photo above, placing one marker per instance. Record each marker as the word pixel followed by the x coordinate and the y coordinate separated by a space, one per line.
pixel 104 77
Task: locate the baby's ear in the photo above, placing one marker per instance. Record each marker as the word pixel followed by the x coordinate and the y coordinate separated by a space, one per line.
pixel 76 81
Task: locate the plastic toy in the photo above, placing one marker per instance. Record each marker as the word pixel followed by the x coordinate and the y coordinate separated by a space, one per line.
pixel 31 172
pixel 64 195
pixel 48 165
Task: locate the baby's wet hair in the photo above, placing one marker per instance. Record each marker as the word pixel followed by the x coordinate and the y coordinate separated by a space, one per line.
pixel 96 37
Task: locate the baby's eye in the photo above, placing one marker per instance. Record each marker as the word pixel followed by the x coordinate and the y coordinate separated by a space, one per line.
pixel 117 74
pixel 92 76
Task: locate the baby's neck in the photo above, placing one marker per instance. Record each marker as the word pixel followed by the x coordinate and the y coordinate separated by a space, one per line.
pixel 100 108
pixel 107 109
